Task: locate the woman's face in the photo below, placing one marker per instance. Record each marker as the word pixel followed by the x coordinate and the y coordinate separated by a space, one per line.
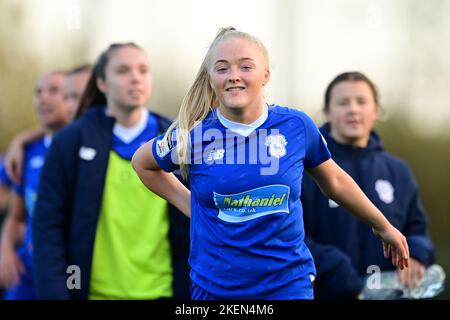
pixel 238 74
pixel 352 112
pixel 127 84
pixel 74 85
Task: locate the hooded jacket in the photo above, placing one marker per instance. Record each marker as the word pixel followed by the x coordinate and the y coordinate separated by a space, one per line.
pixel 344 247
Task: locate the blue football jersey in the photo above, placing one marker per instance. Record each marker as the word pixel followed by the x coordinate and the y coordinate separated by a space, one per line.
pixel 146 130
pixel 34 159
pixel 247 235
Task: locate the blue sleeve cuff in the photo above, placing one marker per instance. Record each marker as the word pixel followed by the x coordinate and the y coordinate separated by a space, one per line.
pixel 165 161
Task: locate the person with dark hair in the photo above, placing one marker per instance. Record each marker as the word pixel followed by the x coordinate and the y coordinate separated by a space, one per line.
pixel 73 87
pixel 344 248
pixel 16 258
pixel 245 160
pixel 93 217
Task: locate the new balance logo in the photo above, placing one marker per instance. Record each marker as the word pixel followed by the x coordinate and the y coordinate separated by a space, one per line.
pixel 332 204
pixel 216 154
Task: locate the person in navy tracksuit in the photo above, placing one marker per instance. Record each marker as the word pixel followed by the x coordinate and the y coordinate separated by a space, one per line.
pixel 343 247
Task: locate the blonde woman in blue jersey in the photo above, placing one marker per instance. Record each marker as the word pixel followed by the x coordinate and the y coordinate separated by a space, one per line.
pixel 245 160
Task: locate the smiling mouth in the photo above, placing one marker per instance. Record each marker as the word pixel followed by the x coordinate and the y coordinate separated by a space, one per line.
pixel 231 89
pixel 353 121
pixel 354 125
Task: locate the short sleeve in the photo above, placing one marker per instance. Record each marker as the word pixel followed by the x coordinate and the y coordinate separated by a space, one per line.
pixel 316 147
pixel 164 150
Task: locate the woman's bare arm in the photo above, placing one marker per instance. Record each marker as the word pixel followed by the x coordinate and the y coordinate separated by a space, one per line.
pixel 339 186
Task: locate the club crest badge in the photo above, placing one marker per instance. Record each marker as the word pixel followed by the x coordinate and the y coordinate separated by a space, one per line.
pixel 277 145
pixel 36 162
pixel 164 146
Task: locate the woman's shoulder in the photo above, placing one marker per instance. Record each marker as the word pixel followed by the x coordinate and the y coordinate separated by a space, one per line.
pixel 293 115
pixel 210 120
pixel 92 122
pixel 397 165
pixel 69 132
pixel 288 111
pixel 71 135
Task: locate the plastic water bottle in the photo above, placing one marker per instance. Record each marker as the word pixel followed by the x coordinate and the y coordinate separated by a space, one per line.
pixel 430 286
pixel 390 288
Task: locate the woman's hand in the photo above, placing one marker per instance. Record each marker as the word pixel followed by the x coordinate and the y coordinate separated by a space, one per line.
pixel 14 161
pixel 394 245
pixel 337 185
pixel 14 156
pixel 411 277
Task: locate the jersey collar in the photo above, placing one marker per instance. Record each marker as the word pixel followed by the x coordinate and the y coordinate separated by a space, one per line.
pixel 242 128
pixel 129 134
